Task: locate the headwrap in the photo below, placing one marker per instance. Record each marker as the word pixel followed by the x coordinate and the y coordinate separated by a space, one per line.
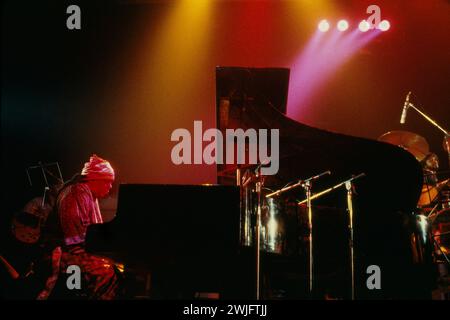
pixel 97 168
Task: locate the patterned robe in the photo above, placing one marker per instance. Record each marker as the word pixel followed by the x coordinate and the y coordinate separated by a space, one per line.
pixel 77 209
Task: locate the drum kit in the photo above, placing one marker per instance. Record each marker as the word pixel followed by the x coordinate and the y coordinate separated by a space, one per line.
pixel 433 206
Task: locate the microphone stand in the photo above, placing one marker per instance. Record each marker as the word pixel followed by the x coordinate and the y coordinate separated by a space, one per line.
pixel 245 238
pixel 447 146
pixel 259 182
pixel 434 123
pixel 307 187
pixel 306 184
pixel 259 185
pixel 349 187
pixel 321 193
pixel 299 183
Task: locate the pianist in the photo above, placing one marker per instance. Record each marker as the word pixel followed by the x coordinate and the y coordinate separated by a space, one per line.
pixel 77 208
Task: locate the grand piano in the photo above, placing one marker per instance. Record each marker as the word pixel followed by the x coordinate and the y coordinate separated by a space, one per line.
pixel 193 238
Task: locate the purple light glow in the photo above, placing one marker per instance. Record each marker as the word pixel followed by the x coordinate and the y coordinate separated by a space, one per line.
pixel 316 64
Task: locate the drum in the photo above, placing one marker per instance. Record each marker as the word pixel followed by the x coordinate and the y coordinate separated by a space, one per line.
pixel 274 222
pixel 421 239
pixel 428 195
pixel 431 192
pixel 445 199
pixel 26 227
pixel 273 233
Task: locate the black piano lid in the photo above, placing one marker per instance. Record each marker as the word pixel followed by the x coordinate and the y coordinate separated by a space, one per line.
pixel 393 176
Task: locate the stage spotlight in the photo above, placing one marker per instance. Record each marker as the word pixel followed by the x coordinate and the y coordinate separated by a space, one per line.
pixel 384 25
pixel 324 26
pixel 364 26
pixel 342 25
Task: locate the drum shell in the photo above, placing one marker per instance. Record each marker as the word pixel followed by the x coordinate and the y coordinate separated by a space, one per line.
pixel 279 223
pixel 429 189
pixel 421 240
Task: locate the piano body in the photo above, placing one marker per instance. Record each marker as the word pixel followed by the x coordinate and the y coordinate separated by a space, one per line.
pixel 192 237
pixel 187 236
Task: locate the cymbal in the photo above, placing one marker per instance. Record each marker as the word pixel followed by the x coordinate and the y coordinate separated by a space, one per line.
pixel 411 142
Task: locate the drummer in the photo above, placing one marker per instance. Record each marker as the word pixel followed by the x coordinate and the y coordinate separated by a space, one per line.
pixel 430 165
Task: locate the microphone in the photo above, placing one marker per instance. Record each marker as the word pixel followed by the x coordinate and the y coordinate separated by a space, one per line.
pixel 405 108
